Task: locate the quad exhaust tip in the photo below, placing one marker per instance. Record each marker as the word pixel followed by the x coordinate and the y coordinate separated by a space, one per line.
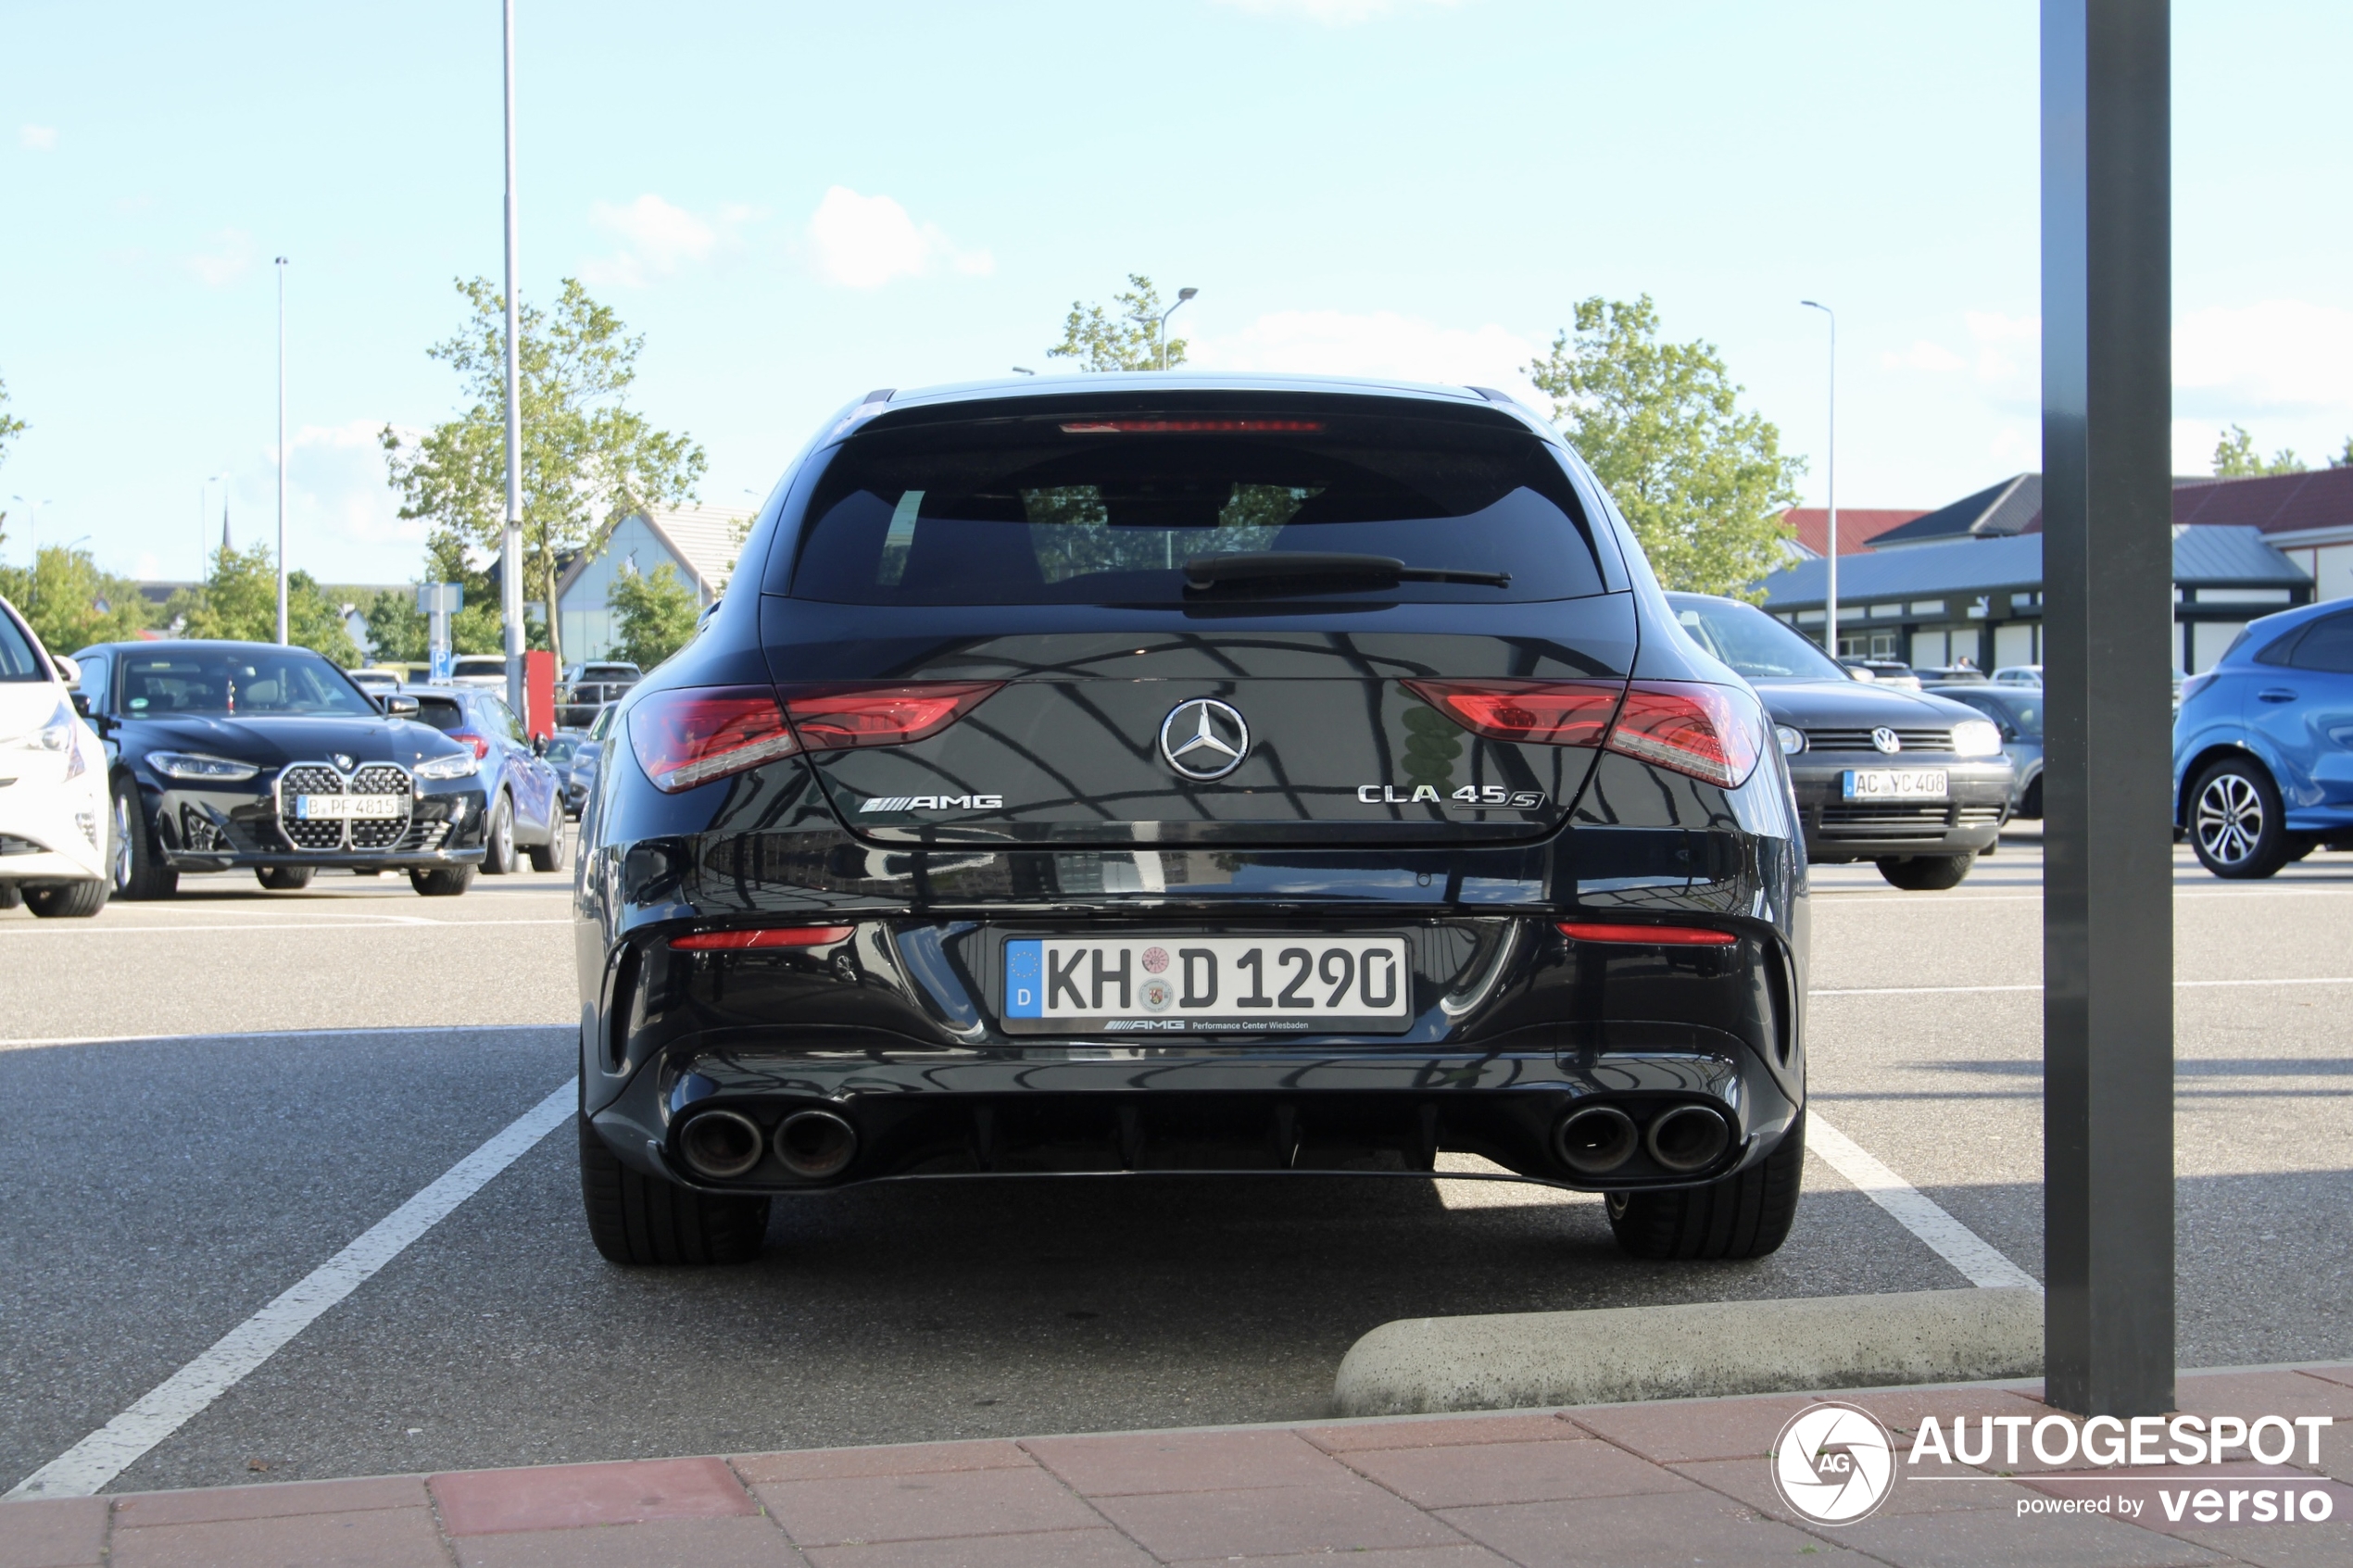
pixel 1597 1140
pixel 1687 1137
pixel 720 1145
pixel 813 1145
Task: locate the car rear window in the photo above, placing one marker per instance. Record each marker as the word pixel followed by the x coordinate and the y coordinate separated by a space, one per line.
pixel 441 714
pixel 1073 509
pixel 17 661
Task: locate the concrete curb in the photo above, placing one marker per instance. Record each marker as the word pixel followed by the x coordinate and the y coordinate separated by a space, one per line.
pixel 1513 1360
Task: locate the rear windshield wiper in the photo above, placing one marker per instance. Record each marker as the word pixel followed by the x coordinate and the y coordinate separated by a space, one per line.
pixel 1271 566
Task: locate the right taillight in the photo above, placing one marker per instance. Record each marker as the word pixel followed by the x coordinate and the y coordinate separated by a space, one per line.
pixel 1712 732
pixel 684 738
pixel 837 718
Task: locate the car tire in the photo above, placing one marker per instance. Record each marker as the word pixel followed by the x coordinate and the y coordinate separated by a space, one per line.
pixel 2237 824
pixel 643 1220
pixel 66 900
pixel 1926 873
pixel 2029 805
pixel 9 897
pixel 442 882
pixel 283 879
pixel 135 868
pixel 552 855
pixel 1745 1215
pixel 499 838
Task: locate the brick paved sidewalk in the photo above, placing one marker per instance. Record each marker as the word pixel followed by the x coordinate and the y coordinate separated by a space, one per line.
pixel 1676 1483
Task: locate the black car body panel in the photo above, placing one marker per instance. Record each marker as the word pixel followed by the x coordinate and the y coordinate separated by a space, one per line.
pixel 217 824
pixel 1052 806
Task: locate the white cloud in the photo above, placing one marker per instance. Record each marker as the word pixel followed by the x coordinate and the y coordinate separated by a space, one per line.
pixel 1925 356
pixel 864 242
pixel 225 261
pixel 1380 343
pixel 2007 346
pixel 1333 13
pixel 657 239
pixel 2281 356
pixel 37 138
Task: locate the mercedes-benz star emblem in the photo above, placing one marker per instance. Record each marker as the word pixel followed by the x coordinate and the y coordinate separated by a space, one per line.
pixel 344 761
pixel 1203 739
pixel 1886 739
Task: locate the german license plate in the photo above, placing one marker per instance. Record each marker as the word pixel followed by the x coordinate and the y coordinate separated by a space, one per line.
pixel 347 807
pixel 1320 983
pixel 1895 783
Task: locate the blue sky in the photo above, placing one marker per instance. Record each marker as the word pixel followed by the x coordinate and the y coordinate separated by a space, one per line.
pixel 796 202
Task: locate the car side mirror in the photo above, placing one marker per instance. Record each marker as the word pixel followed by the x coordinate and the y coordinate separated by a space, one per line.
pixel 68 669
pixel 399 706
pixel 539 745
pixel 81 703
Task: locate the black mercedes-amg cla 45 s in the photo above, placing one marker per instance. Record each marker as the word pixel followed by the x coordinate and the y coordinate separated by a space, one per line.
pixel 1163 772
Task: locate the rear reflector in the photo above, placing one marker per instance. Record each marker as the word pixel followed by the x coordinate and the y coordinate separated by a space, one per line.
pixel 1535 712
pixel 836 718
pixel 1187 427
pixel 1712 732
pixel 684 738
pixel 761 936
pixel 1650 936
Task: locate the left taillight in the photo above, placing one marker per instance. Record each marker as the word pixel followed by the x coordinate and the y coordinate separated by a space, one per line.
pixel 1712 732
pixel 837 718
pixel 745 937
pixel 684 738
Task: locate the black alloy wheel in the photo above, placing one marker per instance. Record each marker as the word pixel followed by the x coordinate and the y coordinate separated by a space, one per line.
pixel 2237 824
pixel 66 900
pixel 1745 1216
pixel 499 838
pixel 1926 873
pixel 135 868
pixel 643 1220
pixel 283 879
pixel 442 882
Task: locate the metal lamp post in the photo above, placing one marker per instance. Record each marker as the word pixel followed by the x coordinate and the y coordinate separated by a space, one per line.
pixel 510 557
pixel 1182 295
pixel 1829 602
pixel 204 521
pixel 282 450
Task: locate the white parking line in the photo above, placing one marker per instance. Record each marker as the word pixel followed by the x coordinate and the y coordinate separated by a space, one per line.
pixel 82 1470
pixel 1914 1210
pixel 8 1044
pixel 1982 990
pixel 338 922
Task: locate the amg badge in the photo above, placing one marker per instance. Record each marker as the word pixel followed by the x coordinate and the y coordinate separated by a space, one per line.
pixel 934 803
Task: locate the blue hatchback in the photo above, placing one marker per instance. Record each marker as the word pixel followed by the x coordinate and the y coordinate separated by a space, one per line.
pixel 2263 745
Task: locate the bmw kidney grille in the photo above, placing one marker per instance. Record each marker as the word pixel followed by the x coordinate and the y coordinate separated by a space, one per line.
pixel 339 833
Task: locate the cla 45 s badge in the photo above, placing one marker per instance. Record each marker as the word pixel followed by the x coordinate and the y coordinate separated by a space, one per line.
pixel 1469 794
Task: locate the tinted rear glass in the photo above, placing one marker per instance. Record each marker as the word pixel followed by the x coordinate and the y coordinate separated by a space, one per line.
pixel 17 661
pixel 1072 509
pixel 440 712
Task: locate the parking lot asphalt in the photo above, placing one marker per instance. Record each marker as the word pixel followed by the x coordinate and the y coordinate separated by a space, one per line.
pixel 186 1153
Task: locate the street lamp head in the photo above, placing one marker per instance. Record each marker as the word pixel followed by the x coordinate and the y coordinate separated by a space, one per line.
pixel 1184 295
pixel 279 260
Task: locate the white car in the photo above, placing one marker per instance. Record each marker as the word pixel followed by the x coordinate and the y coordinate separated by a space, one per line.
pixel 2019 675
pixel 488 671
pixel 53 783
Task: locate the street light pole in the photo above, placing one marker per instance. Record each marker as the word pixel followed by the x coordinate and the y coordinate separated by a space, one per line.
pixel 281 451
pixel 1182 295
pixel 1830 600
pixel 510 557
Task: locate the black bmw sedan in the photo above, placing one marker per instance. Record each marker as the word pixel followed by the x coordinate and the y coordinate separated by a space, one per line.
pixel 225 755
pixel 1917 782
pixel 1162 773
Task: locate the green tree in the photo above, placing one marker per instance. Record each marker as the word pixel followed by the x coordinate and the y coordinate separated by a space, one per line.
pixel 1703 482
pixel 2344 460
pixel 655 614
pixel 588 459
pixel 396 628
pixel 10 428
pixel 1129 341
pixel 71 603
pixel 2236 458
pixel 238 602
